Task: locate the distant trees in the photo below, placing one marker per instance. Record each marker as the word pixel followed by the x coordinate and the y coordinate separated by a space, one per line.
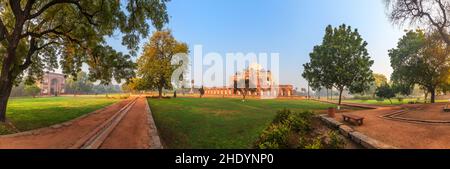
pixel 420 59
pixel 379 79
pixel 79 84
pixel 32 90
pixel 385 91
pixel 154 66
pixel 341 61
pixel 133 85
pixel 245 89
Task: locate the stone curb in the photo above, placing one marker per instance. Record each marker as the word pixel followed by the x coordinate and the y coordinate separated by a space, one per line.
pixel 155 141
pixel 357 137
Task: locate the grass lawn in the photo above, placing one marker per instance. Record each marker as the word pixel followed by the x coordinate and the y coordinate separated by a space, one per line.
pixel 32 113
pixel 218 122
pixel 386 101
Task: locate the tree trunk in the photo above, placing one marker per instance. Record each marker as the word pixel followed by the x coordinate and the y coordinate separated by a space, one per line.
pixel 160 92
pixel 433 95
pixel 340 96
pixel 5 91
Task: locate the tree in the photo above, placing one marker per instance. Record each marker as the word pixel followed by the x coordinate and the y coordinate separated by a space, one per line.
pixel 154 66
pixel 79 83
pixel 385 91
pixel 379 80
pixel 133 85
pixel 433 13
pixel 420 59
pixel 34 35
pixel 341 61
pixel 202 91
pixel 32 90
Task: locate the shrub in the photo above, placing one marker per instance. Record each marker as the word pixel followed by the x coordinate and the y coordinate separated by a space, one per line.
pixel 274 137
pixel 282 115
pixel 316 144
pixel 334 141
pixel 296 130
pixel 301 122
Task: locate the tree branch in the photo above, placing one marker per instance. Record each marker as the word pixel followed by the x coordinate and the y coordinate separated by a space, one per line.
pixel 88 16
pixel 3 31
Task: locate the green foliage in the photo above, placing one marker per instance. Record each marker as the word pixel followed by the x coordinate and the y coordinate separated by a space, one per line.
pixel 79 84
pixel 32 90
pixel 154 66
pixel 420 59
pixel 51 34
pixel 274 137
pixel 385 91
pixel 288 125
pixel 335 140
pixel 341 61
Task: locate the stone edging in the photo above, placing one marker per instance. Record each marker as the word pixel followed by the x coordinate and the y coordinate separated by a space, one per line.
pixel 357 137
pixel 56 126
pixel 155 141
pixel 396 116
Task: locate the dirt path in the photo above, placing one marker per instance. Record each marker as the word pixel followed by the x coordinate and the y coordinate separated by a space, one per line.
pixel 401 134
pixel 131 132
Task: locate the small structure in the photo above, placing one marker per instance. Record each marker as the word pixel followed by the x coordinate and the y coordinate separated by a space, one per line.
pixel 52 84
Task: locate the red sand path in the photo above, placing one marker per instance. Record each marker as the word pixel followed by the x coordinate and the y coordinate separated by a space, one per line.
pixel 402 134
pixel 131 132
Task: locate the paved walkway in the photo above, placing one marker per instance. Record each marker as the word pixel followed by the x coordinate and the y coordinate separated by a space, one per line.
pixel 131 132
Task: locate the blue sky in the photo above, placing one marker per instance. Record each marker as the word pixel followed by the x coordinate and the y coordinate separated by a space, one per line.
pixel 288 27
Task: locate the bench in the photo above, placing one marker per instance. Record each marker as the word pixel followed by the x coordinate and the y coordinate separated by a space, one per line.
pixel 446 108
pixel 354 118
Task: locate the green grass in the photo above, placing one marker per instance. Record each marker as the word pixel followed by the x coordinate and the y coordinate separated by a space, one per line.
pixel 218 122
pixel 32 113
pixel 386 101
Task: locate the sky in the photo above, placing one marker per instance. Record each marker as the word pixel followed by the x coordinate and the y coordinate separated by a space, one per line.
pixel 288 27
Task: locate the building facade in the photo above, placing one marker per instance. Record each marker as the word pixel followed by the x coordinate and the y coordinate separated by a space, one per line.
pixel 262 84
pixel 52 84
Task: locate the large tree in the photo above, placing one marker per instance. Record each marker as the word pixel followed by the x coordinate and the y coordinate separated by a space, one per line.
pixel 154 66
pixel 420 59
pixel 34 35
pixel 433 14
pixel 341 61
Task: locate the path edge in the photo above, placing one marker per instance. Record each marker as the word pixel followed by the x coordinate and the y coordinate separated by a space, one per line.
pixel 59 125
pixel 357 137
pixel 155 140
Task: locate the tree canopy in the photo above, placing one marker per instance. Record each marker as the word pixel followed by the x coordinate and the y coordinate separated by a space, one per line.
pixel 420 59
pixel 45 34
pixel 341 61
pixel 155 65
